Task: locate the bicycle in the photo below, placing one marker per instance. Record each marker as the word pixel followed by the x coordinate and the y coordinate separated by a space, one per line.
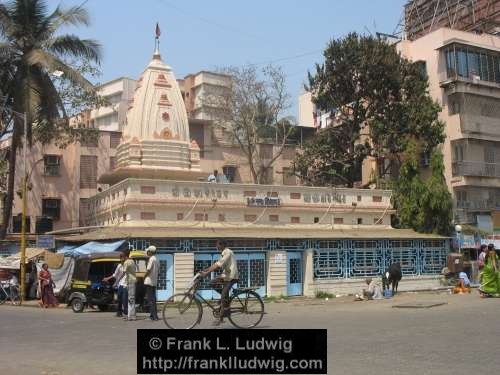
pixel 185 310
pixel 11 292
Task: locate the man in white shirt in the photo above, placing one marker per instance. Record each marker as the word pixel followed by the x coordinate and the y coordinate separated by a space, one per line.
pixel 226 279
pixel 151 281
pixel 120 284
pixel 213 178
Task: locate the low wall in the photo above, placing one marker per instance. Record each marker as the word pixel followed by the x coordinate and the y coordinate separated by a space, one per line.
pixel 353 286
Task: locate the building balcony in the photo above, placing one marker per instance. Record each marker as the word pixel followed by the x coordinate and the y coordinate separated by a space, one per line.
pixel 475 169
pixel 477 205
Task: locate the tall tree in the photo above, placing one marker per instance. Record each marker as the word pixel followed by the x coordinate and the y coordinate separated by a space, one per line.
pixel 422 204
pixel 250 111
pixel 31 50
pixel 381 108
pixel 379 103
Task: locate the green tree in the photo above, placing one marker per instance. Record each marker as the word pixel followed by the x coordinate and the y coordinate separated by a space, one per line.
pixel 381 108
pixel 422 204
pixel 379 103
pixel 31 50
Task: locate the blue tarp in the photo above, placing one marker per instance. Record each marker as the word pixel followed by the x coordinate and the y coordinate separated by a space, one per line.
pixel 90 248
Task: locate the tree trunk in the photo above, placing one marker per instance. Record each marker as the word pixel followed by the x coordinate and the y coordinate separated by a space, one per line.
pixel 9 199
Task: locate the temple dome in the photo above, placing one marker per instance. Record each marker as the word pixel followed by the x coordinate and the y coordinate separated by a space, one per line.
pixel 157 110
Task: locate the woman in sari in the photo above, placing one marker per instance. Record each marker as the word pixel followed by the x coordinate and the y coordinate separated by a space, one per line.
pixel 490 284
pixel 46 287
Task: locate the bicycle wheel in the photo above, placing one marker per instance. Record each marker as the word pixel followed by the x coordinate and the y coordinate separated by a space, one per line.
pixel 15 295
pixel 182 311
pixel 246 309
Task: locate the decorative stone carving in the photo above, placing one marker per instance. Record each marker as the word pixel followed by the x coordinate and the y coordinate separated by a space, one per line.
pixel 166 133
pixel 135 141
pixel 164 100
pixel 165 116
pixel 161 81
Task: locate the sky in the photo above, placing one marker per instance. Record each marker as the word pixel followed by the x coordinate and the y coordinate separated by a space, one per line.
pixel 205 34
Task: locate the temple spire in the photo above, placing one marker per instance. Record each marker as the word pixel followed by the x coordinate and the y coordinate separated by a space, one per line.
pixel 157 42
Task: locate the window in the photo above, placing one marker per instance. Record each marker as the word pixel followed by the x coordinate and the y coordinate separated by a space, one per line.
pixel 338 220
pixel 295 195
pixel 250 218
pixel 472 63
pixel 316 220
pixel 180 216
pixel 230 172
pixel 377 221
pixel 360 221
pixel 148 216
pixel 148 190
pixel 17 223
pixel 422 65
pixel 274 218
pixel 459 153
pixel 114 139
pixel 267 175
pixel 51 208
pixel 112 162
pixel 266 151
pixel 201 217
pixel 88 172
pixel 359 198
pixel 295 219
pixel 288 177
pixel 376 198
pixel 44 224
pixel 222 217
pixel 51 165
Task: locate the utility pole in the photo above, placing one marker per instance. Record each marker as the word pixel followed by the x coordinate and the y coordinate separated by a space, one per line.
pixel 23 214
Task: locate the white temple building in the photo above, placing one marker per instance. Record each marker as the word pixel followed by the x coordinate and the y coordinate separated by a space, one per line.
pixel 289 240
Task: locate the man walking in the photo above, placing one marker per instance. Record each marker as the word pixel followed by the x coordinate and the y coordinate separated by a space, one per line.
pixel 151 280
pixel 226 279
pixel 129 270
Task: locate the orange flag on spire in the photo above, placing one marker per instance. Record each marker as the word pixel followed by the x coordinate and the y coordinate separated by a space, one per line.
pixel 158 32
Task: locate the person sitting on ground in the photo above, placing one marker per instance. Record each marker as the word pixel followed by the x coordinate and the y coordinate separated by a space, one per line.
pixel 374 291
pixel 463 284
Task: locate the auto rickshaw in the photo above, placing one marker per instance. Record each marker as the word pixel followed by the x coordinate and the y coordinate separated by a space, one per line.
pixel 87 287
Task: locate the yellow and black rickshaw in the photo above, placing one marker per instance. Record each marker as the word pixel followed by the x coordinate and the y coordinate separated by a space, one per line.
pixel 87 287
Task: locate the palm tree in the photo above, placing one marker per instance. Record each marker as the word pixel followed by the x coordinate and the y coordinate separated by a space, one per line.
pixel 31 50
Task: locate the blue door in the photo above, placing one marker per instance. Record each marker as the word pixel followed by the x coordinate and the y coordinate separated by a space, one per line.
pixel 164 289
pixel 294 273
pixel 252 271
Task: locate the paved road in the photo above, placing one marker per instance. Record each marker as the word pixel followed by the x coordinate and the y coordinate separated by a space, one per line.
pixel 460 337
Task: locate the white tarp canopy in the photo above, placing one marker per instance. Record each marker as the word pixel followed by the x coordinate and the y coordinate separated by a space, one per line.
pixel 13 262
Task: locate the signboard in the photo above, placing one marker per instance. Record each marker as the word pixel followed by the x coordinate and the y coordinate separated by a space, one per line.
pixel 264 201
pixel 45 241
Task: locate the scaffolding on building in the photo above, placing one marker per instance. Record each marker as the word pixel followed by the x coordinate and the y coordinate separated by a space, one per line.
pixel 424 16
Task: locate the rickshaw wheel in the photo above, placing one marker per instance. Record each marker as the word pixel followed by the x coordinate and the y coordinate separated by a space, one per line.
pixel 77 305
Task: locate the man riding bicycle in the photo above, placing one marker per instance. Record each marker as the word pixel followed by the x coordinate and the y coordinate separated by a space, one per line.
pixel 226 279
